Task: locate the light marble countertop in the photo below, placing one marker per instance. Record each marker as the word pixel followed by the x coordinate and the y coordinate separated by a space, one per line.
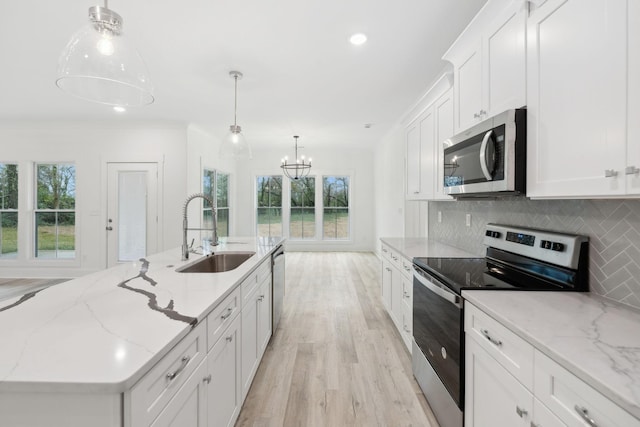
pixel 596 339
pixel 412 247
pixel 102 332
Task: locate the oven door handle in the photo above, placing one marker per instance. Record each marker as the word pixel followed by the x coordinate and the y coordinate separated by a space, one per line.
pixel 483 156
pixel 439 290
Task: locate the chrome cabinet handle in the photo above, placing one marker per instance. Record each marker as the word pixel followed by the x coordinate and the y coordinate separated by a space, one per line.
pixel 492 340
pixel 610 173
pixel 406 329
pixel 521 412
pixel 407 268
pixel 406 294
pixel 387 268
pixel 384 250
pixel 482 112
pixel 582 411
pixel 261 298
pixel 226 316
pixel 207 379
pixel 534 424
pixel 171 375
pixel 109 228
pixel 631 170
pixel 229 338
pixel 394 258
pixel 476 115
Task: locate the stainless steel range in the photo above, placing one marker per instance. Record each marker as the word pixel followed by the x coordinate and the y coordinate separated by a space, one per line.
pixel 517 258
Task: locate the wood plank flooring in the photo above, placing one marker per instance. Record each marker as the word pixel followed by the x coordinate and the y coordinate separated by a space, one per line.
pixel 336 358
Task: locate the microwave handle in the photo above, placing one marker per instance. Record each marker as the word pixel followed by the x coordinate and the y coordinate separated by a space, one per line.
pixel 483 156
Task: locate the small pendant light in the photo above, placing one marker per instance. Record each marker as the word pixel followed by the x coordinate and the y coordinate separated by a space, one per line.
pixel 235 145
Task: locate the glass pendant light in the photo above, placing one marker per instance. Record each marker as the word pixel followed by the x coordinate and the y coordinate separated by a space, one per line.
pixel 99 64
pixel 235 145
pixel 297 169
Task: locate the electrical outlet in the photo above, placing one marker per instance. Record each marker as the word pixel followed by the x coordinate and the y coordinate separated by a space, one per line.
pixel 468 220
pixel 439 216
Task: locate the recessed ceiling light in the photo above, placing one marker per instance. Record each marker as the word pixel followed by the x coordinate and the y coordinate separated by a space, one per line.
pixel 119 109
pixel 358 39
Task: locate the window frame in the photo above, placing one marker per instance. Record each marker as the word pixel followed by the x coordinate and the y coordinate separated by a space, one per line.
pixel 37 210
pixel 282 206
pixel 314 207
pixel 16 211
pixel 214 188
pixel 348 208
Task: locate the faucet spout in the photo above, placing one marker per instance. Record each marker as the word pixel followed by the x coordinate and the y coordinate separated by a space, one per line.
pixel 185 223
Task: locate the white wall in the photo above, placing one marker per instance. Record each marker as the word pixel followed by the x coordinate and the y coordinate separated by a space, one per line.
pixel 90 146
pixel 389 163
pixel 356 163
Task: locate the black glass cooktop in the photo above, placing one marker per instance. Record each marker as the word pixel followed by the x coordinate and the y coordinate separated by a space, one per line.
pixel 505 271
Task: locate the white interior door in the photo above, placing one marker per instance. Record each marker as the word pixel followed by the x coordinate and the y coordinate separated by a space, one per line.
pixel 132 211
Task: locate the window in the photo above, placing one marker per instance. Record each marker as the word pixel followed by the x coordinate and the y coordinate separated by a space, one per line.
pixel 8 210
pixel 302 224
pixel 335 200
pixel 55 215
pixel 269 202
pixel 212 179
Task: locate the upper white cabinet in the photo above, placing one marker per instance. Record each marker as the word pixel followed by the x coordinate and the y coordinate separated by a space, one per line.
pixel 424 137
pixel 583 92
pixel 489 63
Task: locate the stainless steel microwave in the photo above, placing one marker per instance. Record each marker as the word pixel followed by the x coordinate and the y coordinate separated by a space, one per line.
pixel 489 159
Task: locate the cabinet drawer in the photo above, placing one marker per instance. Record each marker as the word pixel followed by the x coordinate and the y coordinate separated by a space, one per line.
pixel 250 284
pixel 386 252
pixel 405 268
pixel 153 392
pixel 221 316
pixel 574 401
pixel 511 351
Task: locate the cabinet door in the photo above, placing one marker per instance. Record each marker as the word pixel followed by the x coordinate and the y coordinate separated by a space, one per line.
pixel 468 89
pixel 444 129
pixel 249 343
pixel 264 316
pixel 427 158
pixel 387 276
pixel 413 161
pixel 543 417
pixel 493 397
pixel 396 297
pixel 224 393
pixel 188 406
pixel 504 60
pixel 633 113
pixel 576 99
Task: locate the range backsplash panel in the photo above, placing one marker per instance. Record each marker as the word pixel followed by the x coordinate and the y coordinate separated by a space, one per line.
pixel 613 227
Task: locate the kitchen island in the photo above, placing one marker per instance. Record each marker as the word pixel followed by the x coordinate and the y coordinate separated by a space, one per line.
pixel 88 341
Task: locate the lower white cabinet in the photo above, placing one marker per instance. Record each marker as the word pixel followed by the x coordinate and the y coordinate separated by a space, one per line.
pixel 504 389
pixel 397 291
pixel 224 386
pixel 188 407
pixel 493 397
pixel 256 330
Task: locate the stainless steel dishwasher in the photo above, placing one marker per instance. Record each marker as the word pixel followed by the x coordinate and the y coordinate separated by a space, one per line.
pixel 277 268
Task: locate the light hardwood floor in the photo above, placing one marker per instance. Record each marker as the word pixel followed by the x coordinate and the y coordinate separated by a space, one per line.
pixel 336 358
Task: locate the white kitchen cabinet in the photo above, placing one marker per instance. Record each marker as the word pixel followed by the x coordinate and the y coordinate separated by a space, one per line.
pixel 425 152
pixel 577 143
pixel 493 397
pixel 188 408
pixel 224 391
pixel 397 291
pixel 256 328
pixel 489 63
pixel 508 382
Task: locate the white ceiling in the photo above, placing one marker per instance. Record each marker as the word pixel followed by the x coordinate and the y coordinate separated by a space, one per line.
pixel 301 75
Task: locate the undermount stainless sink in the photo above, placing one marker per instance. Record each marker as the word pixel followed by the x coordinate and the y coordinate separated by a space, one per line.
pixel 217 263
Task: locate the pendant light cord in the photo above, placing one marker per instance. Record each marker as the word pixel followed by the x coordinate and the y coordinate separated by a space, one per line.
pixel 235 106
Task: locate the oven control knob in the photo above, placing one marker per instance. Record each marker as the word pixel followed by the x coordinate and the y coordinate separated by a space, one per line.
pixel 557 247
pixel 444 352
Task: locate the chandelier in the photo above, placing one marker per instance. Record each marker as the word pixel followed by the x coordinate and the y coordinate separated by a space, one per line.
pixel 299 169
pixel 100 65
